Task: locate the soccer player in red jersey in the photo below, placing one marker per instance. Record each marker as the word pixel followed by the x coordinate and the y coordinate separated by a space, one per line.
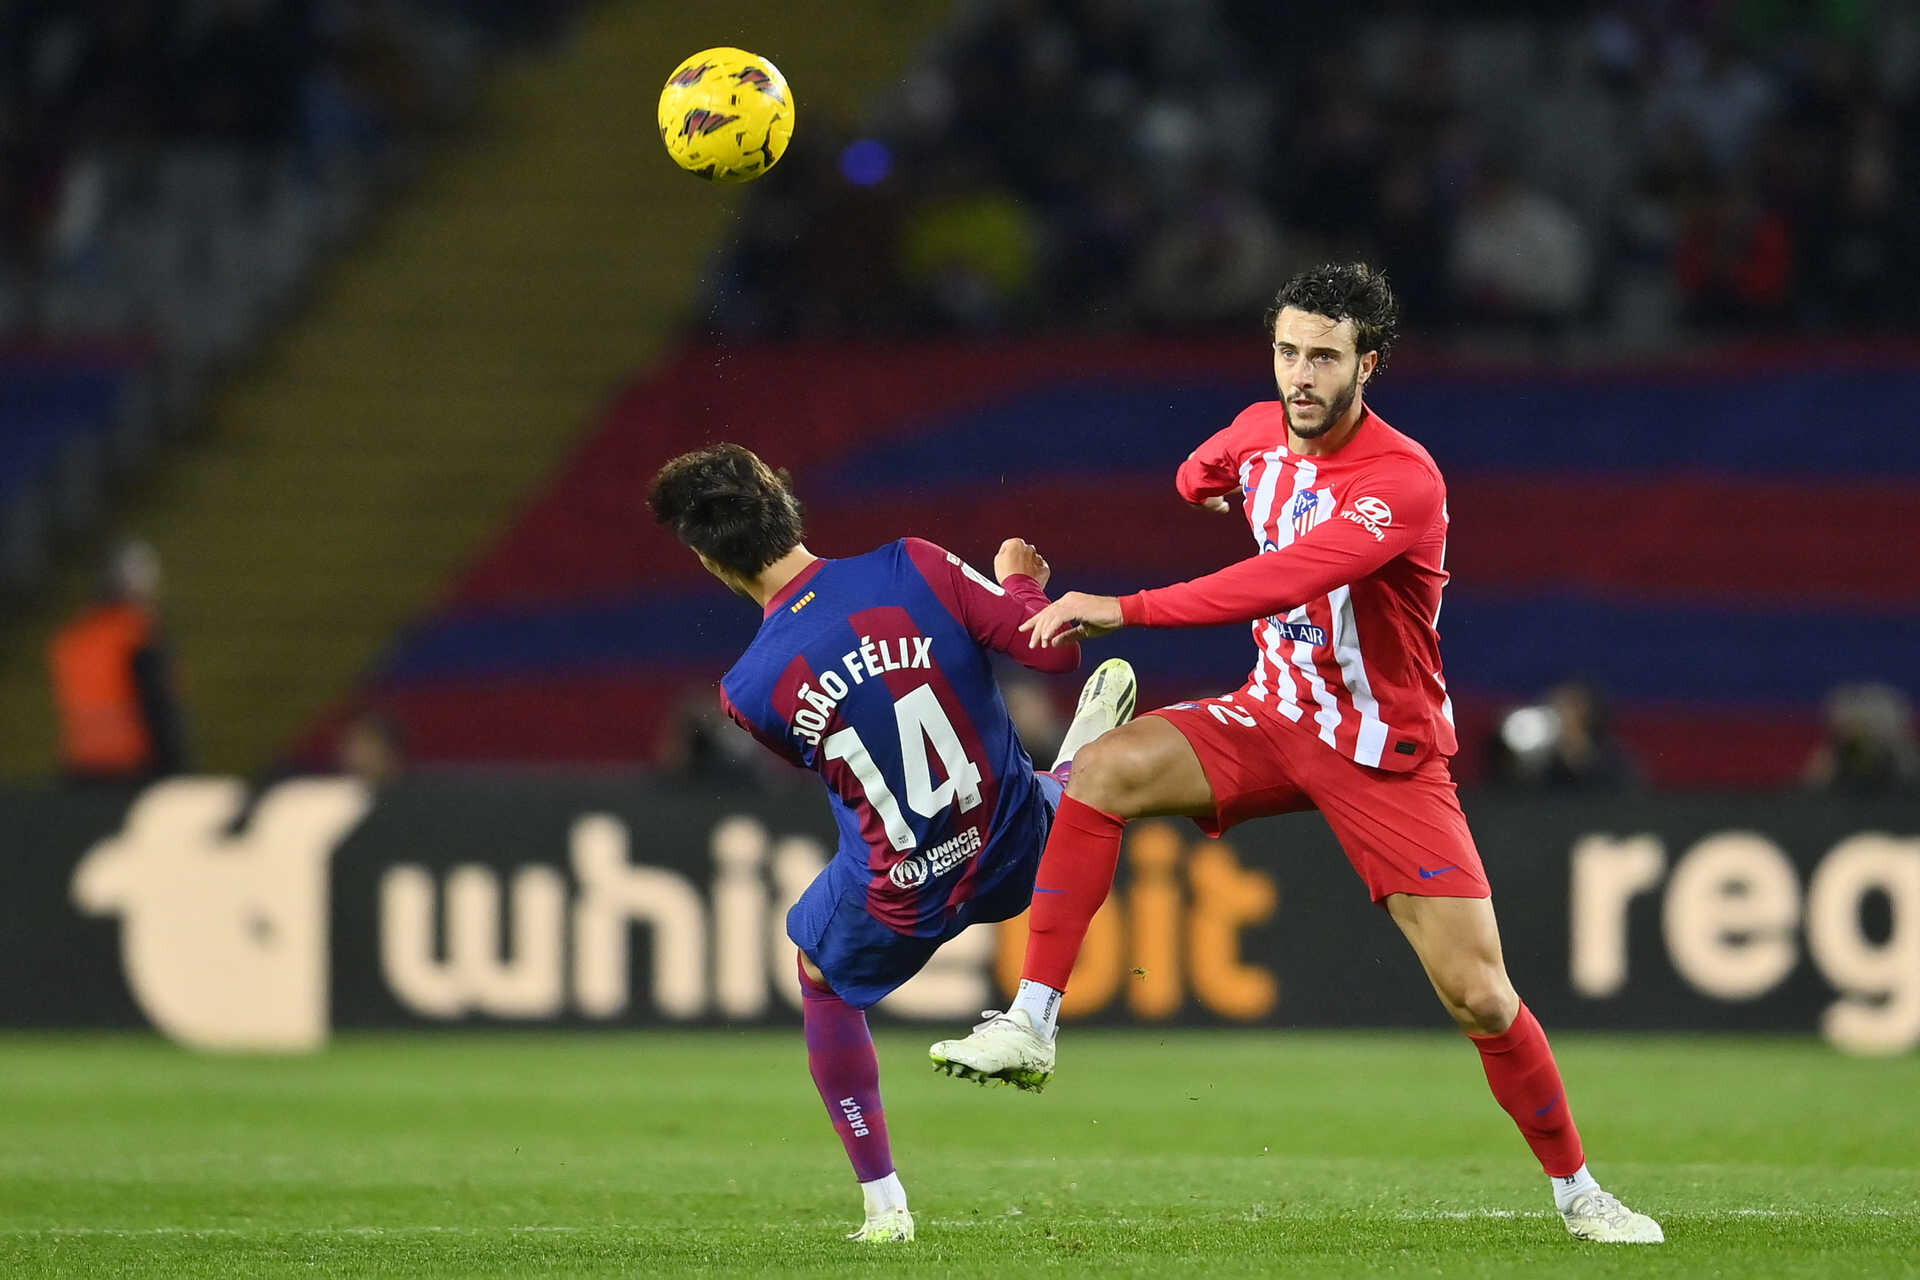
pixel 1346 711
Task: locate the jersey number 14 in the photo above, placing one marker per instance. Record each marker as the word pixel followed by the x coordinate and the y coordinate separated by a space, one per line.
pixel 922 721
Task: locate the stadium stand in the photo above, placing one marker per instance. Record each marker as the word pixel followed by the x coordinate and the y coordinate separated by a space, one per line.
pixel 341 479
pixel 67 418
pixel 1049 182
pixel 173 173
pixel 1678 169
pixel 1652 561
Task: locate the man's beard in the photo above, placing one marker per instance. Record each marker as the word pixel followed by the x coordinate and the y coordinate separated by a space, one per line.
pixel 1336 410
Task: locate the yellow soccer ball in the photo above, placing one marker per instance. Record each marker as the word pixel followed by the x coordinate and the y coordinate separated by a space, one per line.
pixel 726 115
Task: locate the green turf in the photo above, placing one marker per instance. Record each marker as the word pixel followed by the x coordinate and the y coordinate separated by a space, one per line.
pixel 1151 1155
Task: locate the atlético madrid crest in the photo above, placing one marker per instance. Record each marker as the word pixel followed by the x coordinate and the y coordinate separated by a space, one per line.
pixel 1310 507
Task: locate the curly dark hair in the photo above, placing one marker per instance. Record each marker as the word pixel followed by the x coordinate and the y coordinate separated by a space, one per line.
pixel 1345 291
pixel 728 505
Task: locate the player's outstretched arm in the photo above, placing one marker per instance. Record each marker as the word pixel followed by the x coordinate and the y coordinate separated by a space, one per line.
pixel 992 612
pixel 1338 551
pixel 1075 616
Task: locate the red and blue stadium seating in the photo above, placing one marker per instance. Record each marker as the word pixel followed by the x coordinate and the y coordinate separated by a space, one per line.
pixel 1714 543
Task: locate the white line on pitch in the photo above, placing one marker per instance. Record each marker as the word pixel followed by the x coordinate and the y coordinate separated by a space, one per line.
pixel 1408 1215
pixel 412 1229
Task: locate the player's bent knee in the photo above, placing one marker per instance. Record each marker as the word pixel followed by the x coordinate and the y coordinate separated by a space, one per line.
pixel 1486 1004
pixel 1112 773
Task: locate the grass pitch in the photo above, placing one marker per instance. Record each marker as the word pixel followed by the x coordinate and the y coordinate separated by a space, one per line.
pixel 1152 1154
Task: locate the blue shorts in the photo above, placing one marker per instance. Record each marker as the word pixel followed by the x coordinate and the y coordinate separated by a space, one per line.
pixel 863 960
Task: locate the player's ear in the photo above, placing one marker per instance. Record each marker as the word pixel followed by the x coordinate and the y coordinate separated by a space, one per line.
pixel 1369 361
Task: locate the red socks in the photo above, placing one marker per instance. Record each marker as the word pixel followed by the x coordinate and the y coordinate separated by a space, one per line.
pixel 1524 1079
pixel 1076 871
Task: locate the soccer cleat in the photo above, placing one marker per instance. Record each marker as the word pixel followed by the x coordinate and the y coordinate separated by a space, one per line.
pixel 1005 1047
pixel 889 1226
pixel 1598 1215
pixel 1106 702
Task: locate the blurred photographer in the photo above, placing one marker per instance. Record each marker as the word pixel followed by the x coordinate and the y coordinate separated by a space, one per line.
pixel 1562 742
pixel 1870 748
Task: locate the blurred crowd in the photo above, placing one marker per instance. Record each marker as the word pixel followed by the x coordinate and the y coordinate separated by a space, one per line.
pixel 1626 171
pixel 97 97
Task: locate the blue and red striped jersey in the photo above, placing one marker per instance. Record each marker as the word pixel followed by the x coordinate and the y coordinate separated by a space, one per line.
pixel 872 671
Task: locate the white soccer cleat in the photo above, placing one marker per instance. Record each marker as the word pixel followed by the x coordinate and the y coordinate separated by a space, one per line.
pixel 1106 702
pixel 1006 1047
pixel 889 1226
pixel 1599 1215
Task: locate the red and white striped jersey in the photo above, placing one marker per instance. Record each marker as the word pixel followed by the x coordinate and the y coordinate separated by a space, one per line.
pixel 1344 594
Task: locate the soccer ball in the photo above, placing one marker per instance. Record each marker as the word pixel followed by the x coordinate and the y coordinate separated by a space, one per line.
pixel 726 115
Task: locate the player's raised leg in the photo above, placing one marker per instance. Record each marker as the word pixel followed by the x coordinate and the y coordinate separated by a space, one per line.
pixel 1458 942
pixel 1106 703
pixel 1143 769
pixel 846 1070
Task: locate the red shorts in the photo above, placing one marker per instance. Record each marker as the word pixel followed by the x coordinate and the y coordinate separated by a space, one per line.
pixel 1403 832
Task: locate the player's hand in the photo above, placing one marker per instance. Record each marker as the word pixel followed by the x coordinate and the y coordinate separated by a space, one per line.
pixel 1216 504
pixel 1016 555
pixel 1074 616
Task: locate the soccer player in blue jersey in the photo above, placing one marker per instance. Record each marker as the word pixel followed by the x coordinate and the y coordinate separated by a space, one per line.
pixel 872 671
